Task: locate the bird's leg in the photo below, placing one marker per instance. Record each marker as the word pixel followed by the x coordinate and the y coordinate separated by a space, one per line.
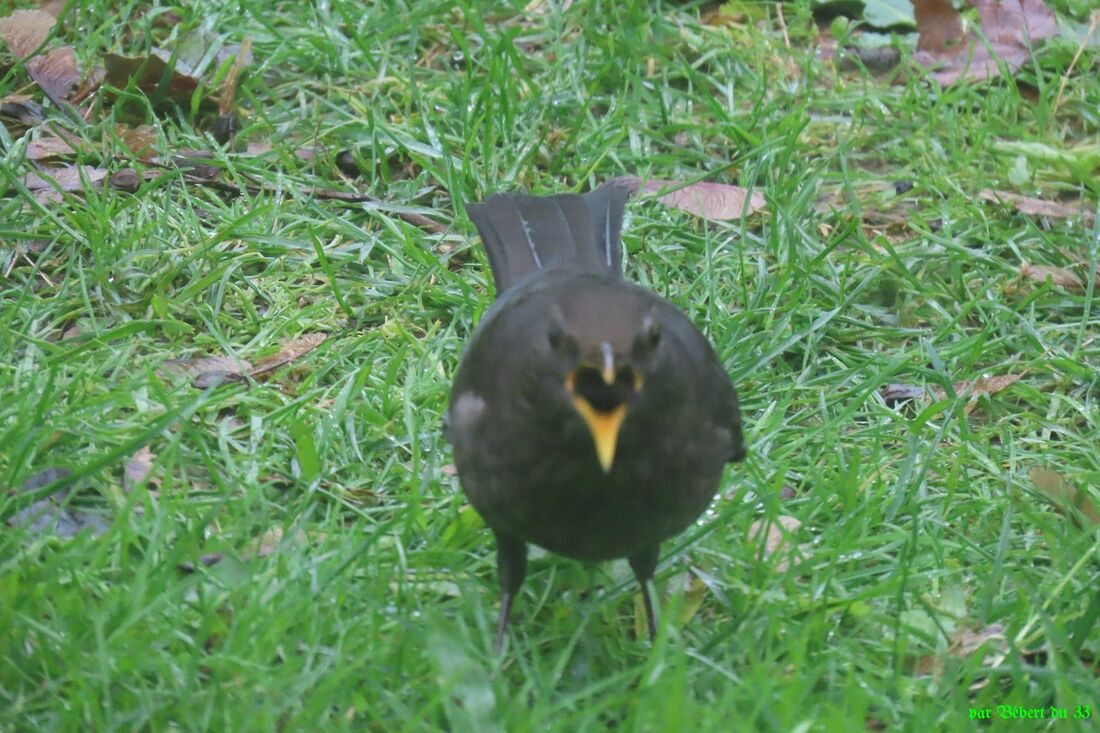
pixel 511 569
pixel 644 564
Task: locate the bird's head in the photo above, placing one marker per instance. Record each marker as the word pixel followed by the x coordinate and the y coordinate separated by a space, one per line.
pixel 604 356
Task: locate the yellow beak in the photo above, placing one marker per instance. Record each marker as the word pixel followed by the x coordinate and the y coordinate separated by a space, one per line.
pixel 604 427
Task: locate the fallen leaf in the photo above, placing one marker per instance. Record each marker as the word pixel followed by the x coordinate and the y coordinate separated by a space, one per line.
pixel 1058 275
pixel 776 537
pixel 152 76
pixel 22 108
pixel 26 30
pixel 138 140
pixel 50 515
pixel 1011 27
pixel 1066 497
pixel 966 641
pixel 137 468
pixel 1040 207
pixel 56 73
pixel 895 393
pixel 209 371
pixel 48 148
pixel 53 7
pixel 715 201
pixel 978 387
pixel 939 25
pixel 290 351
pixel 48 184
pixel 266 543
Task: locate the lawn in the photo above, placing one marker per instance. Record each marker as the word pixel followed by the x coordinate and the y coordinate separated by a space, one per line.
pixel 277 540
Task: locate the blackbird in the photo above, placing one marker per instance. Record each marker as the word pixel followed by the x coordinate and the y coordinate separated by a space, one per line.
pixel 589 416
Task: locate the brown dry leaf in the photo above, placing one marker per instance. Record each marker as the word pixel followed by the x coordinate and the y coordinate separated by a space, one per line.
pixel 26 30
pixel 938 24
pixel 57 73
pixel 1012 28
pixel 208 371
pixel 715 201
pixel 22 108
pixel 777 537
pixel 146 73
pixel 291 350
pixel 1068 499
pixel 50 185
pixel 1040 207
pixel 53 7
pixel 267 543
pixel 48 148
pixel 138 140
pixel 964 642
pixel 137 468
pixel 897 392
pixel 1061 276
pixel 978 387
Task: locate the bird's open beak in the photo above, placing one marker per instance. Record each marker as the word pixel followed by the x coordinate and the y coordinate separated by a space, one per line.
pixel 604 424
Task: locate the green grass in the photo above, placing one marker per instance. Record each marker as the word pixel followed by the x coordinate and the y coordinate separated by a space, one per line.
pixel 375 611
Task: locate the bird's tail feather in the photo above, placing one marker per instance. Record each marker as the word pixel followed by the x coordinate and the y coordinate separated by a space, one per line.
pixel 523 233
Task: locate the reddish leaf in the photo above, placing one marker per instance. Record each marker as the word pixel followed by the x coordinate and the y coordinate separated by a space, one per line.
pixel 1012 28
pixel 777 538
pixel 137 468
pixel 938 24
pixel 1040 207
pixel 716 201
pixel 48 186
pixel 1058 275
pixel 26 30
pixel 57 73
pixel 48 148
pixel 1065 496
pixel 291 350
pixel 208 371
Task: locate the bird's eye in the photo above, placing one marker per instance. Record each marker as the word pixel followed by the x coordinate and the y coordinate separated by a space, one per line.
pixel 649 337
pixel 559 340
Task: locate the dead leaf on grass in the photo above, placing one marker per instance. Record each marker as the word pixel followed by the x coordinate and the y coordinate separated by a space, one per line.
pixel 137 468
pixel 22 108
pixel 210 370
pixel 715 201
pixel 49 148
pixel 777 538
pixel 1041 207
pixel 26 30
pixel 1011 27
pixel 938 23
pixel 291 351
pixel 978 387
pixel 1060 276
pixel 50 184
pixel 51 514
pixel 56 71
pixel 1066 497
pixel 152 76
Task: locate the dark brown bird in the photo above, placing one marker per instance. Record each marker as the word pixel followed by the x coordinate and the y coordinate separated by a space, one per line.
pixel 589 416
